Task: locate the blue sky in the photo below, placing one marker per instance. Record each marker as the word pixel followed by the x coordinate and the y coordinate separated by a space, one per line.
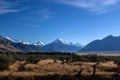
pixel 72 20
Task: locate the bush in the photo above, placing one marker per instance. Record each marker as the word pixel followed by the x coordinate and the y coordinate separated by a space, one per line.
pixel 4 62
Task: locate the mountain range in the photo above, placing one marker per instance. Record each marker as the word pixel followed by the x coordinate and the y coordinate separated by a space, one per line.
pixel 59 45
pixel 109 43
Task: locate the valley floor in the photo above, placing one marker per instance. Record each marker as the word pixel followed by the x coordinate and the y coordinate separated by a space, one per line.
pixel 56 69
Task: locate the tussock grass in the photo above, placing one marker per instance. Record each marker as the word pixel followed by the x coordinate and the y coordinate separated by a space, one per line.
pixel 14 67
pixel 46 67
pixel 75 69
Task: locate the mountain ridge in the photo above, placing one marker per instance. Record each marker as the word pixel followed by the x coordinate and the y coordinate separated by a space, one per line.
pixel 58 45
pixel 109 43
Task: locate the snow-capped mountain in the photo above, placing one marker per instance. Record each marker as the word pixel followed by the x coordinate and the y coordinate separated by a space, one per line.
pixel 6 45
pixel 58 45
pixel 39 43
pixel 10 39
pixel 20 45
pixel 59 41
pixel 18 41
pixel 23 42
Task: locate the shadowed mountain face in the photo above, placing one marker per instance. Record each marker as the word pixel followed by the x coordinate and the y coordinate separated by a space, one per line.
pixel 27 48
pixel 59 45
pixel 109 43
pixel 6 45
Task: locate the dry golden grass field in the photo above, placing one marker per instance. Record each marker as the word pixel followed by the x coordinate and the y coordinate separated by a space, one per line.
pixel 47 67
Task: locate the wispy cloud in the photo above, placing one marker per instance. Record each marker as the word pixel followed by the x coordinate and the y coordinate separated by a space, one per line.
pixel 8 6
pixel 8 11
pixel 37 16
pixel 96 6
pixel 46 13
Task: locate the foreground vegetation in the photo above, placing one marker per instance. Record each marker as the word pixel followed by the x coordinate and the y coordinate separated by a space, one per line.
pixel 58 66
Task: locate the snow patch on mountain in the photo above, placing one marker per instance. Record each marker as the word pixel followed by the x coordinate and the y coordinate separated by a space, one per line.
pixel 39 43
pixel 61 41
pixel 8 38
pixel 23 42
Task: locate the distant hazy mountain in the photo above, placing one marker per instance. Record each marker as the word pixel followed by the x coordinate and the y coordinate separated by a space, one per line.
pixel 60 45
pixel 109 43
